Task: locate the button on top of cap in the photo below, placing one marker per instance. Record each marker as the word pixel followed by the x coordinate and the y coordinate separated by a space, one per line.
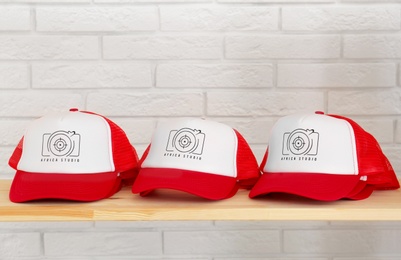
pixel 74 109
pixel 319 112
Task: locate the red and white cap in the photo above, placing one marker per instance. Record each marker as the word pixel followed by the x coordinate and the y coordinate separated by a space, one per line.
pixel 323 157
pixel 75 155
pixel 201 157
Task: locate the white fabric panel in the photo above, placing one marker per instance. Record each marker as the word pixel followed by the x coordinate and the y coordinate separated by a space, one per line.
pixel 312 143
pixel 71 142
pixel 194 144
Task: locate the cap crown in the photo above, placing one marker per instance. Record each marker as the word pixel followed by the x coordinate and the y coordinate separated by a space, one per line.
pixel 193 145
pixel 312 143
pixel 73 142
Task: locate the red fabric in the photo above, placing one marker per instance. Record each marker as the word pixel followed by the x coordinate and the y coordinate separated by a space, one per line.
pixel 247 165
pixel 327 187
pixel 324 187
pixel 209 186
pixel 362 194
pixel 371 160
pixel 124 154
pixel 28 186
pixel 16 156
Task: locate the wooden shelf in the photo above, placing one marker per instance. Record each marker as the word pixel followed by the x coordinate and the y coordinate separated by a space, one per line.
pixel 173 205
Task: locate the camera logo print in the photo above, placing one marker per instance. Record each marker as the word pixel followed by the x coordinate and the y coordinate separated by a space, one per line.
pixel 186 140
pixel 301 142
pixel 61 143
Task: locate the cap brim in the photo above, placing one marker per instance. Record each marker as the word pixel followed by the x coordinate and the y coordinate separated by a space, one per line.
pixel 324 187
pixel 209 186
pixel 28 186
pixel 362 194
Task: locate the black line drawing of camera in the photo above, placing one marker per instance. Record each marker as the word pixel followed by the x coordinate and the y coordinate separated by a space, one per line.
pixel 61 143
pixel 186 140
pixel 301 142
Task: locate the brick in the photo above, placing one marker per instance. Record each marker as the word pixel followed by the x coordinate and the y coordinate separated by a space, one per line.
pixel 398 131
pixel 11 131
pixel 142 258
pixel 372 46
pixel 15 18
pixel 282 46
pixel 145 104
pixel 48 47
pixel 140 149
pixel 259 151
pixel 399 75
pixel 91 75
pixel 214 75
pixel 367 258
pixel 381 129
pixel 285 224
pixel 45 1
pixel 262 103
pixel 28 104
pixel 55 225
pixel 139 131
pixel 6 172
pixel 93 18
pixel 221 242
pixel 102 243
pixel 366 224
pixel 337 75
pixel 341 18
pixel 393 154
pixel 14 76
pixel 364 102
pixel 20 244
pixel 164 225
pixel 212 18
pixel 252 129
pixel 369 1
pixel 153 1
pixel 345 241
pixel 276 1
pixel 272 258
pixel 162 47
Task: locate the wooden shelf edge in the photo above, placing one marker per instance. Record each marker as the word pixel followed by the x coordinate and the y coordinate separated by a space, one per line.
pixel 177 206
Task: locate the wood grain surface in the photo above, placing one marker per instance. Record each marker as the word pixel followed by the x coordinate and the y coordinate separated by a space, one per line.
pixel 175 205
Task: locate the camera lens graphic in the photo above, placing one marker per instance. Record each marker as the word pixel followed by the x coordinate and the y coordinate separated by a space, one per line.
pixel 184 141
pixel 59 144
pixel 298 143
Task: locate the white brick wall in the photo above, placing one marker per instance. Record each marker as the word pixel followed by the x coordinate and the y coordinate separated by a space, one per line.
pixel 241 62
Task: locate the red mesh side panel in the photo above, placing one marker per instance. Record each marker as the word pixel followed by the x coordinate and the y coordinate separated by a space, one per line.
pixel 145 154
pixel 247 166
pixel 124 154
pixel 371 160
pixel 386 180
pixel 393 184
pixel 16 156
pixel 264 160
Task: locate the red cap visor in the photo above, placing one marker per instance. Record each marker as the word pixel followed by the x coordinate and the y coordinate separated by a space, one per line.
pixel 324 187
pixel 28 186
pixel 362 194
pixel 209 186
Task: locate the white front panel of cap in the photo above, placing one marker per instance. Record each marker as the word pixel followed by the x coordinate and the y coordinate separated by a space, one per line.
pixel 194 145
pixel 71 142
pixel 312 144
